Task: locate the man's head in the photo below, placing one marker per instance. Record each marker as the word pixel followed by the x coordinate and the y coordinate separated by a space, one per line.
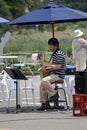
pixel 53 44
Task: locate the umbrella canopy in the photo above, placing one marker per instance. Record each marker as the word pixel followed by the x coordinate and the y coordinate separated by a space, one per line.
pixel 50 13
pixel 2 20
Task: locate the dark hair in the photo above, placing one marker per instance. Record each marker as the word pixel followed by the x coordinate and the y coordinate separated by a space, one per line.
pixel 54 42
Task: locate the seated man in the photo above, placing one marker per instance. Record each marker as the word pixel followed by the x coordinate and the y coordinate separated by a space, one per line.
pixel 57 72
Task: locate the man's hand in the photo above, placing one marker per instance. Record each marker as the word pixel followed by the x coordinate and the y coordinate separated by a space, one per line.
pixel 58 66
pixel 45 64
pixel 83 41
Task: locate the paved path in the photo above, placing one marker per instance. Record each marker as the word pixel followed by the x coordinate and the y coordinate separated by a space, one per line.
pixel 42 121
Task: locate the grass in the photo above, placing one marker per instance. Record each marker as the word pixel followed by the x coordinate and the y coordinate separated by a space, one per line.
pixel 30 40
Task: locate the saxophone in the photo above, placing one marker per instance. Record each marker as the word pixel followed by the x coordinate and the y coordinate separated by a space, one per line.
pixel 42 70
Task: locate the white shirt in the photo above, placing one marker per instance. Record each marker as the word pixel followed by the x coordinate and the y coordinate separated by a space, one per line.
pixel 78 46
pixel 79 53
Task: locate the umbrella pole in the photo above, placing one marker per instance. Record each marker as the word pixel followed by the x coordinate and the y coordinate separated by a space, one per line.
pixel 53 30
pixel 51 0
pixel 52 23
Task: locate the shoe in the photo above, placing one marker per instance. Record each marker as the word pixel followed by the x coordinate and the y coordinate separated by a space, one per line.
pixel 53 98
pixel 44 107
pixel 47 105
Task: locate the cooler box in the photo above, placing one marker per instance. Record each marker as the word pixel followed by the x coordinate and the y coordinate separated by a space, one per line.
pixel 81 82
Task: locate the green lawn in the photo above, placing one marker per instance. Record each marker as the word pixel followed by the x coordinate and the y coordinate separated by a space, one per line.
pixel 30 40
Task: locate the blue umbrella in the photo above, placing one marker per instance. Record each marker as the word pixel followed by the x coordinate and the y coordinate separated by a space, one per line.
pixel 2 20
pixel 50 13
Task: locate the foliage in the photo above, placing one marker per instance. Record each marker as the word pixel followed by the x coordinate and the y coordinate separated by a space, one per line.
pixel 4 9
pixel 30 40
pixel 27 40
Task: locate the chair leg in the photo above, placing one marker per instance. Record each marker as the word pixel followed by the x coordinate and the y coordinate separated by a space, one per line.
pixel 64 96
pixel 56 103
pixel 9 99
pixel 7 91
pixel 2 87
pixel 20 97
pixel 33 97
pixel 3 93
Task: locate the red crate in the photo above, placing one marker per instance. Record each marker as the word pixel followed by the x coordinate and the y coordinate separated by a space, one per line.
pixel 79 112
pixel 80 105
pixel 85 105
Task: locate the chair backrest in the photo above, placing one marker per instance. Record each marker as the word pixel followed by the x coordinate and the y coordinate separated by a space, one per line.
pixel 12 84
pixel 6 79
pixel 30 83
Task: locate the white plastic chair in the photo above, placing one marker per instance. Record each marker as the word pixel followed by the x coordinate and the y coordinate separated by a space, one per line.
pixel 29 87
pixel 62 95
pixel 21 88
pixel 4 86
pixel 68 86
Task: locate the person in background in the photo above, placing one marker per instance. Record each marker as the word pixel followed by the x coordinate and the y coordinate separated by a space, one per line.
pixel 57 72
pixel 79 45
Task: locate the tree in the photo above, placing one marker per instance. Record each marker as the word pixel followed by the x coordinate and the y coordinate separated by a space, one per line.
pixel 12 9
pixel 4 10
pixel 17 7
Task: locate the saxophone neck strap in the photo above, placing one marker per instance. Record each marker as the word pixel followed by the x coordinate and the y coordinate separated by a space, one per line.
pixel 52 55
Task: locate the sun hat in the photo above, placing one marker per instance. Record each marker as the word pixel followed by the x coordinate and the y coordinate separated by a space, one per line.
pixel 78 33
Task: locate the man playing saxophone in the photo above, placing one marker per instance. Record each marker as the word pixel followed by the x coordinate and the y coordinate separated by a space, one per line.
pixel 57 72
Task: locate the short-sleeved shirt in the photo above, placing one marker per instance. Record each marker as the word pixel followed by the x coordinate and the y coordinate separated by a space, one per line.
pixel 58 57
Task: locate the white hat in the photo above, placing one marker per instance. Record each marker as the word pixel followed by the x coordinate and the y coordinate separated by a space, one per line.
pixel 78 33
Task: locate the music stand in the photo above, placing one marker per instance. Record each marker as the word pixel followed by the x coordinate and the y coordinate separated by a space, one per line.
pixel 16 74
